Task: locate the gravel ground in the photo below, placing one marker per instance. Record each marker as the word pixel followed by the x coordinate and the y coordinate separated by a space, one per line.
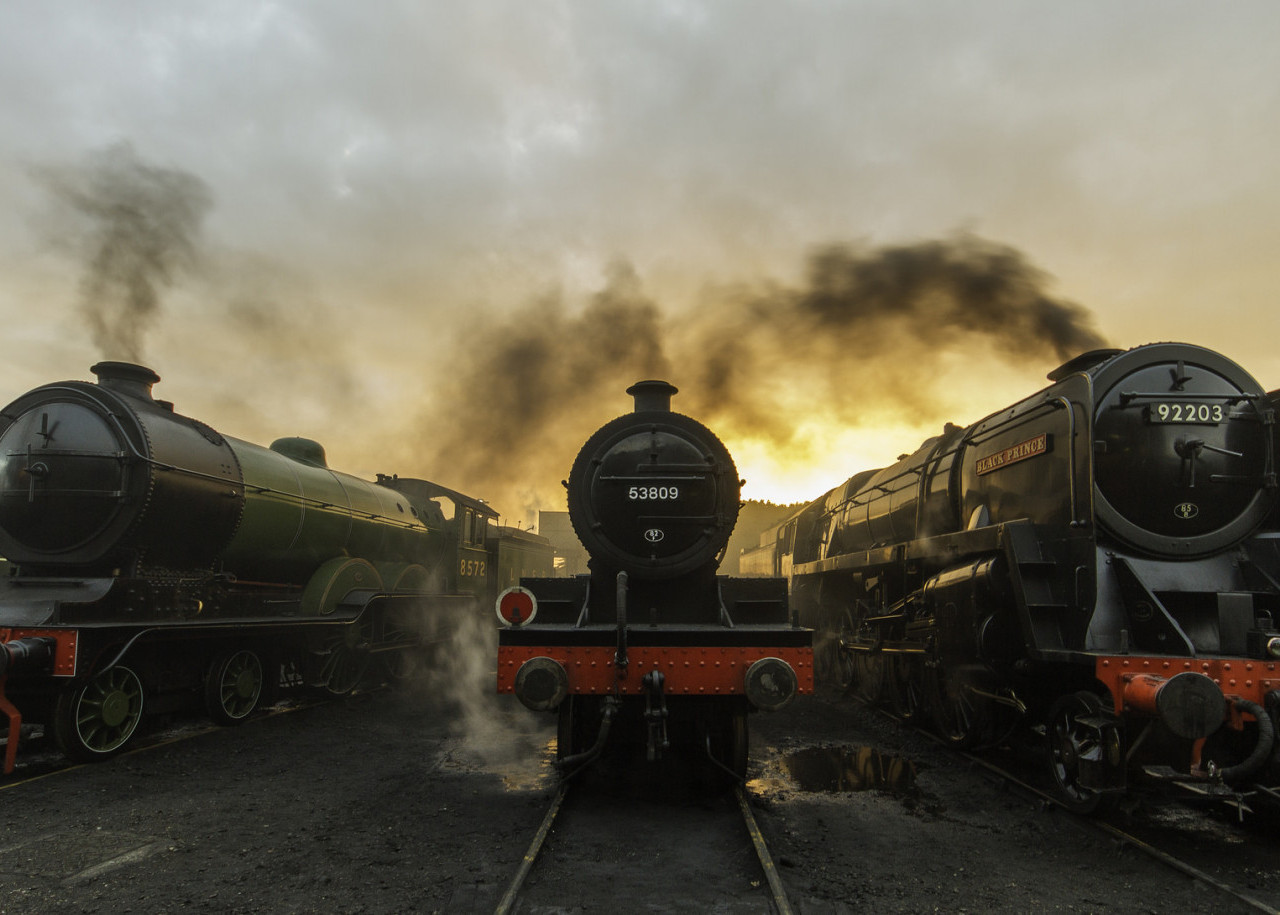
pixel 956 841
pixel 405 802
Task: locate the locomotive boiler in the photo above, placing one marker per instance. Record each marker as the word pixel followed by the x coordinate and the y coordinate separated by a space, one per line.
pixel 653 645
pixel 1098 559
pixel 152 558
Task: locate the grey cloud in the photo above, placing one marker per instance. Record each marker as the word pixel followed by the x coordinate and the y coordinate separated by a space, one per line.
pixel 419 168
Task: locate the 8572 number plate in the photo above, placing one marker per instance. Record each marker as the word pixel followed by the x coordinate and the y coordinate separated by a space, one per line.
pixel 1199 414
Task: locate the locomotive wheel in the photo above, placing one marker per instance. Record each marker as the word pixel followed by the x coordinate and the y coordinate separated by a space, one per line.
pixel 95 720
pixel 869 674
pixel 960 717
pixel 343 658
pixel 233 686
pixel 904 686
pixel 404 657
pixel 835 664
pixel 402 665
pixel 1067 743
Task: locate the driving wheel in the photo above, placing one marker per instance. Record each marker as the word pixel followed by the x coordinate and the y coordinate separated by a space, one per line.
pixel 96 719
pixel 233 686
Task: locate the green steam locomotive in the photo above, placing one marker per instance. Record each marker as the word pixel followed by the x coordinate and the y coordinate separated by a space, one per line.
pixel 153 561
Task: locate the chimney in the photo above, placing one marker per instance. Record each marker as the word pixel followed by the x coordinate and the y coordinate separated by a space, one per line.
pixel 126 378
pixel 652 396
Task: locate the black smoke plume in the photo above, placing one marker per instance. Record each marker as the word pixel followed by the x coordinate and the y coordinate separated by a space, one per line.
pixel 863 337
pixel 869 330
pixel 134 227
pixel 940 288
pixel 534 380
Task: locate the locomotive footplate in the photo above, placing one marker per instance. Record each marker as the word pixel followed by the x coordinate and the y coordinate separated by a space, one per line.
pixel 694 660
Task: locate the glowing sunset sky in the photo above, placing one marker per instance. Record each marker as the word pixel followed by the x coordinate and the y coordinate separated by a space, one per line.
pixel 442 237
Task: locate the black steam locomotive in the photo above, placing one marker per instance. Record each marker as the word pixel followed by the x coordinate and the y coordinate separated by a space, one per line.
pixel 653 644
pixel 152 560
pixel 1087 560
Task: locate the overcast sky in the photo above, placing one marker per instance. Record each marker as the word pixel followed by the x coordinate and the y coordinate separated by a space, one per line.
pixel 360 195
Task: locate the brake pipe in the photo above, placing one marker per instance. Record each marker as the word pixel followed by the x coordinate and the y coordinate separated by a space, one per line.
pixel 1261 750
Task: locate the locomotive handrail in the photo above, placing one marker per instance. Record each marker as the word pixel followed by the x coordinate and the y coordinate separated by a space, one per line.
pixel 680 519
pixel 725 619
pixel 318 503
pixel 586 606
pixel 1067 405
pixel 977 438
pixel 1126 396
pixel 70 452
pixel 1241 479
pixel 650 469
pixel 855 501
pixel 936 456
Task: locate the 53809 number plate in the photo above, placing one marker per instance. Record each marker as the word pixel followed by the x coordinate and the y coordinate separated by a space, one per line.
pixel 1200 414
pixel 645 493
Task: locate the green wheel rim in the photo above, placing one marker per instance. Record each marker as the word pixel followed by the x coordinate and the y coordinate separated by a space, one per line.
pixel 108 710
pixel 240 685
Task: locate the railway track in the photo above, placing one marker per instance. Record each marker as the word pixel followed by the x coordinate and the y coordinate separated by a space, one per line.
pixel 690 845
pixel 1147 840
pixel 1147 845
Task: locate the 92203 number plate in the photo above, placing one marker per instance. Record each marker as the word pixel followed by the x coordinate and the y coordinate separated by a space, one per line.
pixel 1199 414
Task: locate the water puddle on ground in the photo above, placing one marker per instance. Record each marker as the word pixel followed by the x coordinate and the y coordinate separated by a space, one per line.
pixel 531 773
pixel 849 769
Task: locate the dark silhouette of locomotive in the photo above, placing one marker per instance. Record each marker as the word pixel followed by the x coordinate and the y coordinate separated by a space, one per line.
pixel 1087 560
pixel 152 559
pixel 653 645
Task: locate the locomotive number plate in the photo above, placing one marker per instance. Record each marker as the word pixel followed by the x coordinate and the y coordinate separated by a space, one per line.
pixel 1199 414
pixel 643 493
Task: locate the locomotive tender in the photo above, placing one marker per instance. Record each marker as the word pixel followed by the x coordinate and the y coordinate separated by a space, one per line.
pixel 1087 560
pixel 652 645
pixel 152 559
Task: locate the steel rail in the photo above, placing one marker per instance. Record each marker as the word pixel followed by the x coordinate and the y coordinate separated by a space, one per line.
pixel 1183 867
pixel 535 847
pixel 762 852
pixel 777 892
pixel 1168 860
